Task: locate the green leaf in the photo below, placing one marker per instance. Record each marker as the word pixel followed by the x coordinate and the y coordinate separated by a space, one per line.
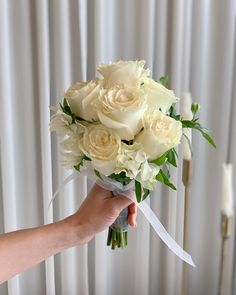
pixel 138 191
pixel 207 137
pixel 171 157
pixel 128 142
pixel 146 193
pixel 78 166
pixel 173 114
pixel 164 80
pixel 86 158
pixel 175 153
pixel 190 124
pixel 159 176
pixel 177 117
pixel 195 125
pixel 162 177
pixel 160 160
pixel 65 102
pixel 62 108
pixel 167 172
pixel 98 174
pixel 67 110
pixel 172 110
pixel 121 177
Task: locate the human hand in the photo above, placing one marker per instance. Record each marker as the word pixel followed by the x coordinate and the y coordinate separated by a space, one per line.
pixel 20 249
pixel 98 211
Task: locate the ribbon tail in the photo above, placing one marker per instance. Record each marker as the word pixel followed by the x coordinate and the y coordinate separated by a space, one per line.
pixel 163 234
pixel 74 175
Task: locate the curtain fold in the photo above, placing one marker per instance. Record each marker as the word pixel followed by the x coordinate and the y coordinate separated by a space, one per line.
pixel 46 46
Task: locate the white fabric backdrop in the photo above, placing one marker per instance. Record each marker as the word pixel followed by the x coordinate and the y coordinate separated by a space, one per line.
pixel 47 45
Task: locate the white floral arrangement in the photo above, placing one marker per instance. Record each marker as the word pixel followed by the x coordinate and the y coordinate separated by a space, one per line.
pixel 123 125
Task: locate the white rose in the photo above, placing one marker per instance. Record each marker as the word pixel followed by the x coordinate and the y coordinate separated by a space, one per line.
pixel 147 175
pixel 81 97
pixel 102 147
pixel 122 110
pixel 158 96
pixel 130 159
pixel 160 134
pixel 124 73
pixel 61 123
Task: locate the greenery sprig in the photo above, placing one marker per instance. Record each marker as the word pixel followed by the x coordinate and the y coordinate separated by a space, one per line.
pixel 194 124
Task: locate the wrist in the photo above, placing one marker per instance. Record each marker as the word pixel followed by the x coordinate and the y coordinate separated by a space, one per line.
pixel 76 231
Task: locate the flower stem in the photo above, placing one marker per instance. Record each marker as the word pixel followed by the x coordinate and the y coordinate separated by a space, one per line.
pixel 117 239
pixel 109 236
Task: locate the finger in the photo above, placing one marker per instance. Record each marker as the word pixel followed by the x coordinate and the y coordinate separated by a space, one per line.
pixel 132 208
pixel 132 220
pixel 132 217
pixel 121 202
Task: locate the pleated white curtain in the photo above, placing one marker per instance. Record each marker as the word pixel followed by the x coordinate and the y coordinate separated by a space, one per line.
pixel 45 46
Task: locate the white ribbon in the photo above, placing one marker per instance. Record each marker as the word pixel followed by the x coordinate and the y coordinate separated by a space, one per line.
pixel 128 192
pixel 163 234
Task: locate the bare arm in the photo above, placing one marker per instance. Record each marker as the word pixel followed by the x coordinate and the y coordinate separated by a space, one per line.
pixel 22 249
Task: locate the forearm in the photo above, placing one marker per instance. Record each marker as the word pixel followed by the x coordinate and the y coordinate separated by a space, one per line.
pixel 22 249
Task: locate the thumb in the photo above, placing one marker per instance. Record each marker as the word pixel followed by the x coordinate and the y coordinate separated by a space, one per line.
pixel 121 202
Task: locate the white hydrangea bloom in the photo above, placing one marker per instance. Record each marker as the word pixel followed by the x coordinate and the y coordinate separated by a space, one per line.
pixel 147 175
pixel 60 122
pixel 130 159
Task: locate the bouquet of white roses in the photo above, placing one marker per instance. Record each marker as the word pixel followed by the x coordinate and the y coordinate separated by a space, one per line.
pixel 125 128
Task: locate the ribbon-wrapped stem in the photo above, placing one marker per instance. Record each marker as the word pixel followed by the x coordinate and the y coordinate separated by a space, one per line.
pixel 118 231
pixel 117 238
